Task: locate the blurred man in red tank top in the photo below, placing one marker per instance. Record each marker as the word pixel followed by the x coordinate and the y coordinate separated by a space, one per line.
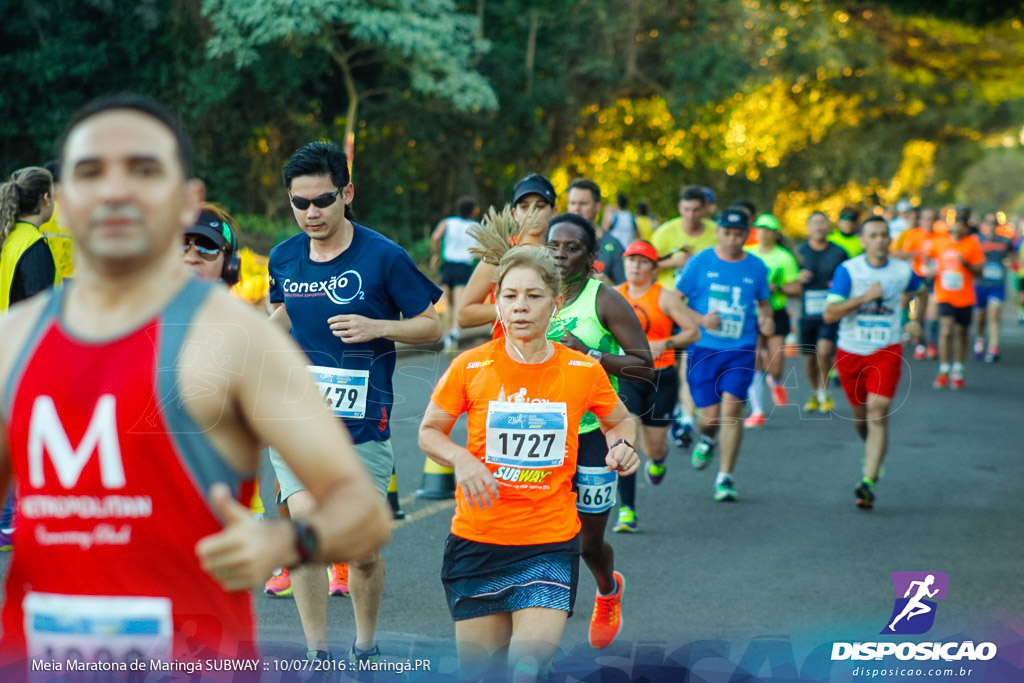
pixel 134 403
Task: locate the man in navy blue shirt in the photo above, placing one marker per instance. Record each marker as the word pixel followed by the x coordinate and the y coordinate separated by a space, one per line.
pixel 346 294
pixel 727 290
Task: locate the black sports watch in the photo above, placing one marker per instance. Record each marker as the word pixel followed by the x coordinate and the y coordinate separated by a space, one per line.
pixel 306 542
pixel 669 344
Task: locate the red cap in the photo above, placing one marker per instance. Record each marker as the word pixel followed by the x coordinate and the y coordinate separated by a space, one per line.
pixel 641 248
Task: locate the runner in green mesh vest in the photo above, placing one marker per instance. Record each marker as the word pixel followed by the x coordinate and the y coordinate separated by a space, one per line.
pixel 596 320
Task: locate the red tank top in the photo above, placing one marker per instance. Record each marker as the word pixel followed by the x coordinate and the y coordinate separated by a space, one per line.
pixel 112 476
pixel 657 326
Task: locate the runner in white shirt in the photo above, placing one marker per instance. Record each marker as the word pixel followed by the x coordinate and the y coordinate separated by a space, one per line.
pixel 869 297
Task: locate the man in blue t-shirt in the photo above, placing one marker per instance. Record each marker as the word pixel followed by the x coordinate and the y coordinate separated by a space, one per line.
pixel 346 294
pixel 728 292
pixel 990 289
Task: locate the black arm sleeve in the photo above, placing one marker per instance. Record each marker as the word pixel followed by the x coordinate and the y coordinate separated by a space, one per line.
pixel 34 273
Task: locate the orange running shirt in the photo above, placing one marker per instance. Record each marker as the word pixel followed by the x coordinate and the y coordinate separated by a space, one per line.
pixel 657 326
pixel 954 284
pixel 919 243
pixel 535 505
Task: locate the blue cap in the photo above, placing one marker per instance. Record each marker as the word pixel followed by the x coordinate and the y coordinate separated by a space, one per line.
pixel 709 195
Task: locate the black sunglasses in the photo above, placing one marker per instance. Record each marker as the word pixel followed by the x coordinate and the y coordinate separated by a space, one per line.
pixel 321 202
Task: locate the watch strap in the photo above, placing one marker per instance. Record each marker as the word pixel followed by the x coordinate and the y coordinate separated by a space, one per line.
pixel 306 542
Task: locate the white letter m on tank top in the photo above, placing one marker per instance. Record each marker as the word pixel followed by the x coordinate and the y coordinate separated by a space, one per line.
pixel 46 433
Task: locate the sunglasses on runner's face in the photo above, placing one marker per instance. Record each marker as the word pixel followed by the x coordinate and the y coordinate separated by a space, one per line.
pixel 205 247
pixel 321 202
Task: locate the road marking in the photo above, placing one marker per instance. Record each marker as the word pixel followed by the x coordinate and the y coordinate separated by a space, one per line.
pixel 424 512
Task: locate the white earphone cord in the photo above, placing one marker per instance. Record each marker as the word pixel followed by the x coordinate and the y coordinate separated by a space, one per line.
pixel 497 315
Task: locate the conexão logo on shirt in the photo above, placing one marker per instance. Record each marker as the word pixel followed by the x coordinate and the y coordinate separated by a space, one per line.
pixel 341 289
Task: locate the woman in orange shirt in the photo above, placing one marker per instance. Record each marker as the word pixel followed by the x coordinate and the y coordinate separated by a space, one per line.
pixel 511 563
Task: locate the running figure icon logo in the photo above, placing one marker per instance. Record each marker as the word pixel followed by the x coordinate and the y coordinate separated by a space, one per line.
pixel 916 593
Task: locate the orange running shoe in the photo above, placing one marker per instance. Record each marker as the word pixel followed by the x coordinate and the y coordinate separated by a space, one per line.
pixel 338 575
pixel 779 394
pixel 606 621
pixel 279 585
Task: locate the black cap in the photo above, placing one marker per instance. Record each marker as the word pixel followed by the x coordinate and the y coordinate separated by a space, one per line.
pixel 534 183
pixel 733 218
pixel 210 225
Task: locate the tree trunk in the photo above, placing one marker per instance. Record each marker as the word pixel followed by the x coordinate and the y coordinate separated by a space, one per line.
pixel 531 51
pixel 353 108
pixel 480 18
pixel 631 48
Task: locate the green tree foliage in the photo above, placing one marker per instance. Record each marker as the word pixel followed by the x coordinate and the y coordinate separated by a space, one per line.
pixel 993 183
pixel 792 103
pixel 428 42
pixel 969 11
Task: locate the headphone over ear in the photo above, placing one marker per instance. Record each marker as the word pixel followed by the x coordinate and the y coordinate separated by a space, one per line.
pixel 231 272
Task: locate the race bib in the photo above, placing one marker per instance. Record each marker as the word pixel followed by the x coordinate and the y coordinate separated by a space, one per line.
pixel 815 301
pixel 952 280
pixel 732 319
pixel 89 628
pixel 344 390
pixel 527 435
pixel 875 330
pixel 595 489
pixel 992 271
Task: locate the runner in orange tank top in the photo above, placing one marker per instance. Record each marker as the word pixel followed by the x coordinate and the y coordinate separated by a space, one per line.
pixel 660 312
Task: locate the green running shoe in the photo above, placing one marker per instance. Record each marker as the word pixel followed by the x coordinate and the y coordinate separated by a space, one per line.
pixel 626 522
pixel 655 472
pixel 702 455
pixel 725 490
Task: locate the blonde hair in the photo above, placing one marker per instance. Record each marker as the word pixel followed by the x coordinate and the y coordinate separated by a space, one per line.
pixel 20 196
pixel 534 258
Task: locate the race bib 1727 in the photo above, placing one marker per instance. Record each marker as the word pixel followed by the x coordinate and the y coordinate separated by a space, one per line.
pixel 529 435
